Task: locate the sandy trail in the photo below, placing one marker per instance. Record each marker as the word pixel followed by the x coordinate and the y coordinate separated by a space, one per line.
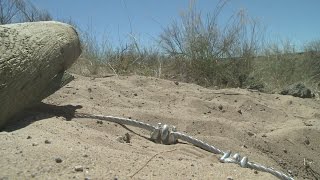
pixel 278 131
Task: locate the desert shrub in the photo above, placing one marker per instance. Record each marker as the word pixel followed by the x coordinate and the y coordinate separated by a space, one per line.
pixel 312 50
pixel 281 65
pixel 212 54
pixel 100 57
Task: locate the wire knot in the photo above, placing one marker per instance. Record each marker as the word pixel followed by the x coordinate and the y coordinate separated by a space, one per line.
pixel 236 158
pixel 162 134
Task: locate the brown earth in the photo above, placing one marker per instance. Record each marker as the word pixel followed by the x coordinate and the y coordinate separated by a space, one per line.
pixel 274 130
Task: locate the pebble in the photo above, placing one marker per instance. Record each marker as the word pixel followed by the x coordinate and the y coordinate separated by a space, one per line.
pixel 229 178
pixel 34 144
pixel 250 133
pixel 307 142
pixel 85 155
pixel 47 141
pixel 285 151
pixel 29 137
pixel 78 168
pixel 99 122
pixel 58 160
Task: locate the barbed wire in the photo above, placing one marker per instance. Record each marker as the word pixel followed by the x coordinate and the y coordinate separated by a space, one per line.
pixel 165 134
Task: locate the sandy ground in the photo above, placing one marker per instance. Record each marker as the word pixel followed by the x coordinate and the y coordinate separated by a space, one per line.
pixel 278 131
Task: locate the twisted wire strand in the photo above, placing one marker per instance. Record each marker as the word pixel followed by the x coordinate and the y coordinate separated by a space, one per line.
pixel 197 142
pixel 118 120
pixel 165 134
pixel 272 171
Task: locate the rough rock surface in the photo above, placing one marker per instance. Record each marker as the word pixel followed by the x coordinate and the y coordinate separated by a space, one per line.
pixel 297 90
pixel 33 57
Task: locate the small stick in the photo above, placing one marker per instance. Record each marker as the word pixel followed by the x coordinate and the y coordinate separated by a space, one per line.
pixel 150 160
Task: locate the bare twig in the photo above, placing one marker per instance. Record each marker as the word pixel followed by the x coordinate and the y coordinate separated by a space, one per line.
pixel 150 160
pixel 114 71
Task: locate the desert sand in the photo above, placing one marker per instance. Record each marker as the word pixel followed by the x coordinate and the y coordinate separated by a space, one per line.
pixel 48 142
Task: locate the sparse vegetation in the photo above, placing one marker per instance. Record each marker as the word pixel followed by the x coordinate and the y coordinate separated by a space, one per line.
pixel 13 11
pixel 194 49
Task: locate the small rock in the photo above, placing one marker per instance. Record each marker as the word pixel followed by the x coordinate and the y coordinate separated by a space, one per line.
pixel 89 90
pixel 264 135
pixel 87 178
pixel 239 111
pixel 35 144
pixel 127 138
pixel 308 124
pixel 58 160
pixel 176 83
pixel 285 151
pixel 250 133
pixel 91 97
pixel 85 155
pixel 307 142
pixel 78 168
pixel 120 139
pixel 229 178
pixel 135 94
pixel 220 107
pixel 256 172
pixel 47 141
pixel 29 137
pixel 99 122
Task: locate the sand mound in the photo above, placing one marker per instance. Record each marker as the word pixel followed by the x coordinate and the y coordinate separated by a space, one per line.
pixel 275 130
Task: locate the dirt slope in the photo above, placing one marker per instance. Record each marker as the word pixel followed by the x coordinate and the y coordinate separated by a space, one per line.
pixel 274 130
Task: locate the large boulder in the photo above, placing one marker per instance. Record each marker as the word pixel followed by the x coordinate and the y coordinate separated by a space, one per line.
pixel 33 60
pixel 297 90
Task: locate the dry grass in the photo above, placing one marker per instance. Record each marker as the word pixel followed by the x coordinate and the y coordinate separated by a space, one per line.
pixel 200 51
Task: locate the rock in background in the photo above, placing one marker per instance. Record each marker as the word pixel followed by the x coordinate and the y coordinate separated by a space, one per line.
pixel 297 90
